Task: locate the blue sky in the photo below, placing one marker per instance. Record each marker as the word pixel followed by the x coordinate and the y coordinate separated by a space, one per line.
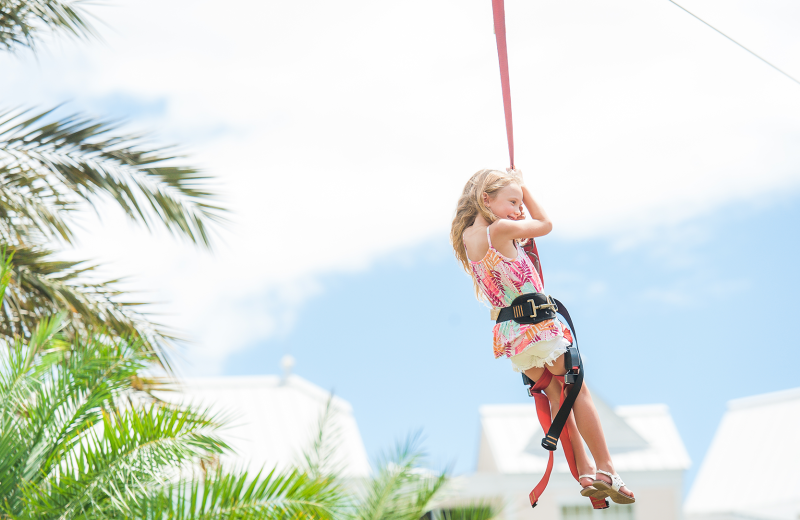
pixel 699 317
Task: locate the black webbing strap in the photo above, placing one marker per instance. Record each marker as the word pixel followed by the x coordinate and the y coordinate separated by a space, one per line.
pixel 550 441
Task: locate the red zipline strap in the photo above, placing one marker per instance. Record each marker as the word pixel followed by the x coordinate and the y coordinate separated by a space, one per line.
pixel 502 53
pixel 543 412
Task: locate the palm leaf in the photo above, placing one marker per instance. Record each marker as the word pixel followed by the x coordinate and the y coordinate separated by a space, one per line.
pixel 22 20
pixel 239 496
pixel 401 490
pixel 319 460
pixel 39 287
pixel 71 442
pixel 479 511
pixel 48 167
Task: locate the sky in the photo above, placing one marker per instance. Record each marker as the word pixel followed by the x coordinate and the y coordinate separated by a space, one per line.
pixel 342 133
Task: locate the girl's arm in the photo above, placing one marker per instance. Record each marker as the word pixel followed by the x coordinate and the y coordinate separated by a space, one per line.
pixel 538 226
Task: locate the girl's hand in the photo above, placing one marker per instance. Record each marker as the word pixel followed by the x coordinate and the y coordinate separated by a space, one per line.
pixel 517 174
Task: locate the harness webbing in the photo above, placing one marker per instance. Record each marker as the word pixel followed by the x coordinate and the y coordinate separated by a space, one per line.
pixel 566 404
pixel 498 9
pixel 555 427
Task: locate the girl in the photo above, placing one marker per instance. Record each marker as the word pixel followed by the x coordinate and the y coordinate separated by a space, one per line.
pixel 489 222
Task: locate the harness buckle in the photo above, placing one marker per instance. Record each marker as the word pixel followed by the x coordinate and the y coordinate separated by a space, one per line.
pixel 549 305
pixel 533 307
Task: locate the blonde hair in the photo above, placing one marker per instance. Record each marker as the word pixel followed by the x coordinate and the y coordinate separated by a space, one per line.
pixel 470 205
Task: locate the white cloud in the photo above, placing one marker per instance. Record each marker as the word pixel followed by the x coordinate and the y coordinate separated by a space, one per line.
pixel 345 130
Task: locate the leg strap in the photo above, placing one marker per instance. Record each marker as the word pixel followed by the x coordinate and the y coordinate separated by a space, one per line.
pixel 555 427
pixel 550 441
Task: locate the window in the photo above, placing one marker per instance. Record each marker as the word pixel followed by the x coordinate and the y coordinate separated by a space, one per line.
pixel 585 512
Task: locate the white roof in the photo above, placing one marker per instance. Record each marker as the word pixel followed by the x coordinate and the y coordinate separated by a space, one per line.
pixel 640 438
pixel 273 420
pixel 752 469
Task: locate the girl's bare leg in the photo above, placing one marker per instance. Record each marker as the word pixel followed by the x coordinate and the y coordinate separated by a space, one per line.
pixel 553 393
pixel 588 422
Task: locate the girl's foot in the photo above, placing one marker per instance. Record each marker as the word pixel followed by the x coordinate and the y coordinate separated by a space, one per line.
pixel 614 487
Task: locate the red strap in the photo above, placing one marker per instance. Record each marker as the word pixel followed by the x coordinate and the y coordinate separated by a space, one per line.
pixel 502 53
pixel 544 414
pixel 599 503
pixel 533 254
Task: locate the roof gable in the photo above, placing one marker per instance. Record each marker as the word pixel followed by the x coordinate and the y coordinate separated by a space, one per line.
pixel 273 420
pixel 757 444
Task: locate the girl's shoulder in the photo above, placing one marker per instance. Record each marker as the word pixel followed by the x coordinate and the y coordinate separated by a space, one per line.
pixel 476 242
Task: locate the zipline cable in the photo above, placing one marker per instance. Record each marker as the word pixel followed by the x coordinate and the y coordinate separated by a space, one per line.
pixel 499 12
pixel 734 41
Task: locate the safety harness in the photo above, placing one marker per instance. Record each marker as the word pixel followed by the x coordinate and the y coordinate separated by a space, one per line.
pixel 534 308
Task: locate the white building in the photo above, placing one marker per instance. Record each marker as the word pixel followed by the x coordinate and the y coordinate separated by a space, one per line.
pixel 274 419
pixel 647 450
pixel 752 470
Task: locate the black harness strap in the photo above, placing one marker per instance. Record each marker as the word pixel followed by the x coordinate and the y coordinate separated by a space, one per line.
pixel 533 308
pixel 573 382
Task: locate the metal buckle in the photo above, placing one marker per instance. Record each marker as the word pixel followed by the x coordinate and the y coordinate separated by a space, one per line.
pixel 533 307
pixel 548 305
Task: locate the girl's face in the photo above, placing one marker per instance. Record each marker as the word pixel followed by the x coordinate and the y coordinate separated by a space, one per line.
pixel 506 203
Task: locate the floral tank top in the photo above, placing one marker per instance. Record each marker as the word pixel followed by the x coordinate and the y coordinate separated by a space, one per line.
pixel 501 280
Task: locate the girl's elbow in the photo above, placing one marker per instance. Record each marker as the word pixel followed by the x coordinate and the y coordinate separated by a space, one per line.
pixel 547 227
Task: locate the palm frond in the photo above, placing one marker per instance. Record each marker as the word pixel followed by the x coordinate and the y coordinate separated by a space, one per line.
pixel 48 167
pixel 39 287
pixel 401 490
pixel 132 451
pixel 73 444
pixel 22 20
pixel 319 459
pixel 6 269
pixel 478 511
pixel 239 496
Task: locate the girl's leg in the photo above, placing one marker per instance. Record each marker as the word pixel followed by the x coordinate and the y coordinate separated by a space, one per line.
pixel 589 424
pixel 588 421
pixel 553 393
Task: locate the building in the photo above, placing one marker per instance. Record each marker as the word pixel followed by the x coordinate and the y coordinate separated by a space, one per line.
pixel 644 443
pixel 273 420
pixel 751 470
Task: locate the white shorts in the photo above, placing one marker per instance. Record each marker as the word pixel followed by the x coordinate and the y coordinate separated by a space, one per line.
pixel 539 354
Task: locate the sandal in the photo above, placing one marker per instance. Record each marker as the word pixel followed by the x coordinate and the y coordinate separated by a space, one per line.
pixel 590 490
pixel 612 490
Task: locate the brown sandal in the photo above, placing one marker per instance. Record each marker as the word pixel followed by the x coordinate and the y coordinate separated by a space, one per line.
pixel 590 490
pixel 612 490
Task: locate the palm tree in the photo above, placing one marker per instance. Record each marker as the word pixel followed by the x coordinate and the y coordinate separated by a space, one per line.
pixel 51 167
pixel 77 440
